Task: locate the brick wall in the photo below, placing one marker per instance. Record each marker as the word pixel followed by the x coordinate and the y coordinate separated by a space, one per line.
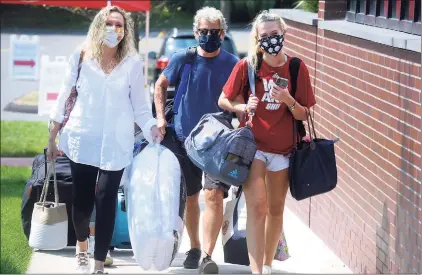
pixel 369 95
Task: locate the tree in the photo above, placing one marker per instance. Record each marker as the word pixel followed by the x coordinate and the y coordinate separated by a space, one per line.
pixel 136 18
pixel 307 5
pixel 89 15
pixel 225 7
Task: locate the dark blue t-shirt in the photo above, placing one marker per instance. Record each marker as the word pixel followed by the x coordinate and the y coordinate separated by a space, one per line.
pixel 205 84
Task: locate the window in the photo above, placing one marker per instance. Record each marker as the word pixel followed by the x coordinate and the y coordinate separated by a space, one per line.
pixel 418 11
pixel 400 15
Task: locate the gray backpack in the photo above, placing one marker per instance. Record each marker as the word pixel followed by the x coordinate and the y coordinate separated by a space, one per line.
pixel 226 154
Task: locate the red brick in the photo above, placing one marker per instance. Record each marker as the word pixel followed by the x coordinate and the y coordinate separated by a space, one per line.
pixel 379 142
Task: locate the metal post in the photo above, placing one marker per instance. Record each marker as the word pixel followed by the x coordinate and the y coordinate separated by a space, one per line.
pixel 146 47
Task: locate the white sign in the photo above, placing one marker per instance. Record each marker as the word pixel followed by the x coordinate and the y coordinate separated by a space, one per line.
pixel 52 75
pixel 25 54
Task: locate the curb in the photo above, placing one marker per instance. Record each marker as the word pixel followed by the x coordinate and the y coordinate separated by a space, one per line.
pixel 19 108
pixel 17 162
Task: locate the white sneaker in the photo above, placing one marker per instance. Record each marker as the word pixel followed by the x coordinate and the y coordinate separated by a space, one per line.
pixel 109 260
pixel 266 269
pixel 91 245
pixel 82 261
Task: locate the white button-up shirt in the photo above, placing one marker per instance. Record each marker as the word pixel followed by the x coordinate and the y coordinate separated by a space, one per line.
pixel 100 129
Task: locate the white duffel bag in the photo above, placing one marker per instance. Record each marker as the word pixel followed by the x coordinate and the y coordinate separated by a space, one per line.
pixel 49 219
pixel 155 197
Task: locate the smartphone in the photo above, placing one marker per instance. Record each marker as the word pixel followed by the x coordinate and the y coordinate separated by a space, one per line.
pixel 280 81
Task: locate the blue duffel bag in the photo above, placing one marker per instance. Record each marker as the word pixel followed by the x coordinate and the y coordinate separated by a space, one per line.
pixel 226 154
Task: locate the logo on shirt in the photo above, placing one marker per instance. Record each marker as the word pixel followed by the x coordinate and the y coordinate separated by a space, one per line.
pixel 272 104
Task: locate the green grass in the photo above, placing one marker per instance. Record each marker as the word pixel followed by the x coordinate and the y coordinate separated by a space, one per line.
pixel 15 252
pixel 23 138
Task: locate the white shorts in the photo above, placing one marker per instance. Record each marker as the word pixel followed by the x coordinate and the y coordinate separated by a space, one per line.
pixel 273 162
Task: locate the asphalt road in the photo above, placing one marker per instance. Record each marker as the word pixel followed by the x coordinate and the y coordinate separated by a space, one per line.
pixel 60 45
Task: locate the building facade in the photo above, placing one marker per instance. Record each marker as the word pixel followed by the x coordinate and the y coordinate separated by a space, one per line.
pixel 365 63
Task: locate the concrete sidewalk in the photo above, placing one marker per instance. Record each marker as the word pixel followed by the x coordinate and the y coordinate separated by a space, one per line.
pixel 17 161
pixel 308 255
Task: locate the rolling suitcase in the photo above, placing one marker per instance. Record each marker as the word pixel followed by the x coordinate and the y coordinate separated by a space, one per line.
pixel 120 237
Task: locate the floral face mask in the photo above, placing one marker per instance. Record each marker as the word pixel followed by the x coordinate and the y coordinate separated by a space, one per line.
pixel 272 44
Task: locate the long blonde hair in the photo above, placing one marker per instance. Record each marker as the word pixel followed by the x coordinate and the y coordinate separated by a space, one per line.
pixel 94 41
pixel 254 47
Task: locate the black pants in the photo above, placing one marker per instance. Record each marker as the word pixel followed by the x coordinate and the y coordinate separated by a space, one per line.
pixel 105 199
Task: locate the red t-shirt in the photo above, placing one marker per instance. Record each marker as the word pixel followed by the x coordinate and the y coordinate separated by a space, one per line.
pixel 273 121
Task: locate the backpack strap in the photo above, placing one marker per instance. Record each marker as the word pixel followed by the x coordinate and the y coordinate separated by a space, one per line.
pixel 294 67
pixel 184 79
pixel 294 71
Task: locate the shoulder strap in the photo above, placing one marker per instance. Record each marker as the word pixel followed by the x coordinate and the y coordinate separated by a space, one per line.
pixel 81 58
pixel 183 82
pixel 294 66
pixel 190 55
pixel 294 71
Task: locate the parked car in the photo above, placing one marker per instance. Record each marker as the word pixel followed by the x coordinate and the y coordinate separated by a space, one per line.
pixel 175 41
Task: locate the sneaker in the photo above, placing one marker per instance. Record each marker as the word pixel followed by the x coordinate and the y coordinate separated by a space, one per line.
pixel 82 260
pixel 208 266
pixel 109 260
pixel 266 269
pixel 99 272
pixel 91 245
pixel 192 259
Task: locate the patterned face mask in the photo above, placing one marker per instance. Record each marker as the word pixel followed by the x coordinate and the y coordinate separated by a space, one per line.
pixel 272 44
pixel 113 35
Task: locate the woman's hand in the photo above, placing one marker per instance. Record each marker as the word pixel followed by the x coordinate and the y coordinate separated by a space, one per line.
pixel 252 103
pixel 156 134
pixel 52 150
pixel 279 93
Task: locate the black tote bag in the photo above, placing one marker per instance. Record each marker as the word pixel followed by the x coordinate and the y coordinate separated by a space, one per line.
pixel 313 169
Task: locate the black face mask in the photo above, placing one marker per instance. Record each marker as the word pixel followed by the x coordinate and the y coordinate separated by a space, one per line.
pixel 209 43
pixel 272 44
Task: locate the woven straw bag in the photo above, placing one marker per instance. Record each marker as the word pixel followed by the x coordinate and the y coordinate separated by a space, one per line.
pixel 49 219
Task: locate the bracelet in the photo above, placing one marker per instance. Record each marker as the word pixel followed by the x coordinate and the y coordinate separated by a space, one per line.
pixel 291 108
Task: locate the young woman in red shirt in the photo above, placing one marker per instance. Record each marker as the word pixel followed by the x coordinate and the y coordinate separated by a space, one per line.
pixel 272 126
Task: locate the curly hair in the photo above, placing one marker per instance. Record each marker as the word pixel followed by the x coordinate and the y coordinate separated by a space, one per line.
pixel 211 15
pixel 94 42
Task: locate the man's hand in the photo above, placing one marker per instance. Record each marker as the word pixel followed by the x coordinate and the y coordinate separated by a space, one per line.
pixel 160 97
pixel 156 135
pixel 161 126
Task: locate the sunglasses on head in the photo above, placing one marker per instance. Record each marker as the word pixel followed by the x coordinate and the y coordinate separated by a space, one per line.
pixel 210 31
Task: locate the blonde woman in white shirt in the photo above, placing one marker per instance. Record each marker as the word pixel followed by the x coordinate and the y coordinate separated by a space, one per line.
pixel 99 135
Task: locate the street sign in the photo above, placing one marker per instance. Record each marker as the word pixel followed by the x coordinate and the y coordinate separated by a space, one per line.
pixel 52 74
pixel 25 53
